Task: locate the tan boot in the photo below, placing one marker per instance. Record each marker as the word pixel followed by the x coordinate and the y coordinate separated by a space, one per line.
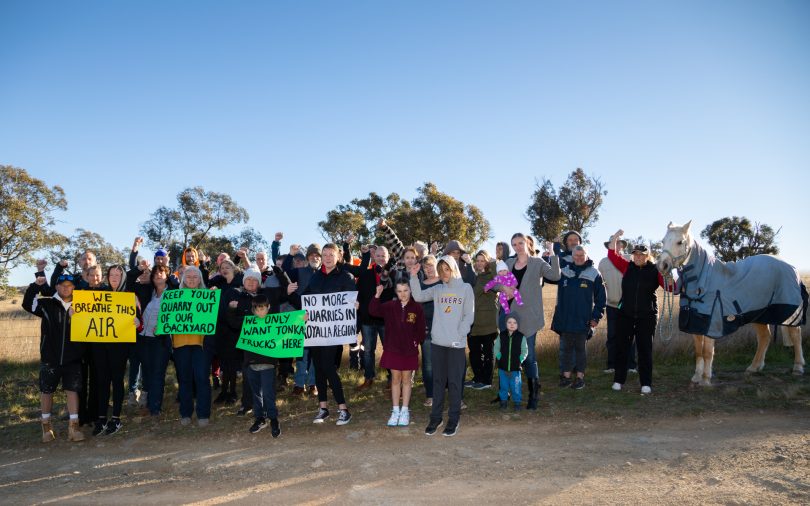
pixel 48 433
pixel 74 432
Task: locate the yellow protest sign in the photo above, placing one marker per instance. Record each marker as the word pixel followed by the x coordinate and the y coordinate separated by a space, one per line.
pixel 103 317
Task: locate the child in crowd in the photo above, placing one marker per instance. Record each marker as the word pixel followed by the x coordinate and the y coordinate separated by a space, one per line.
pixel 261 375
pixel 510 351
pixel 504 278
pixel 404 332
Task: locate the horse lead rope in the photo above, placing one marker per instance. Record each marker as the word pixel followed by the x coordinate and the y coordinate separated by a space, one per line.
pixel 666 323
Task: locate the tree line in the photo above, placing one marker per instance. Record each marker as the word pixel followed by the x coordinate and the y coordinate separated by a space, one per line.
pixel 199 218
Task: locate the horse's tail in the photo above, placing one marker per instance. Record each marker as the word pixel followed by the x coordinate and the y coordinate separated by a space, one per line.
pixel 804 303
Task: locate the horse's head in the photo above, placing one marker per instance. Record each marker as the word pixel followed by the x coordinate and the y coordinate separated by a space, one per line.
pixel 676 247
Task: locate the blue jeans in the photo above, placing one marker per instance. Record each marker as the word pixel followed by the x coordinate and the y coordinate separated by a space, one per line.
pixel 369 333
pixel 427 368
pixel 157 351
pixel 193 367
pixel 530 366
pixel 509 383
pixel 135 376
pixel 263 386
pixel 304 370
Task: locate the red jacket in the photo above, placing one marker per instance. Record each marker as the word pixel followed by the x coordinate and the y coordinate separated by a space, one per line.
pixel 405 327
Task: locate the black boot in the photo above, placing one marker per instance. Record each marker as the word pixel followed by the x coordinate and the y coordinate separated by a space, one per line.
pixel 534 394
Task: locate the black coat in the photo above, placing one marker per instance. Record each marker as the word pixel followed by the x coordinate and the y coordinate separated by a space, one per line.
pixel 55 347
pixel 339 280
pixel 638 291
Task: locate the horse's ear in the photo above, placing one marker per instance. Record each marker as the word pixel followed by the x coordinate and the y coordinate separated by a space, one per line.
pixel 670 225
pixel 686 227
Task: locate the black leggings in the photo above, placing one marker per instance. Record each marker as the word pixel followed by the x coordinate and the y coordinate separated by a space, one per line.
pixel 110 362
pixel 643 329
pixel 88 397
pixel 481 357
pixel 230 366
pixel 323 357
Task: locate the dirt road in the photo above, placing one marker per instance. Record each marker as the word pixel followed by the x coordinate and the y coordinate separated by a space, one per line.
pixel 761 458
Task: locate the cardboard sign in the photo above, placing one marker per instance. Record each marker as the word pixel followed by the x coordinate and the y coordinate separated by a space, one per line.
pixel 103 317
pixel 331 318
pixel 188 311
pixel 278 335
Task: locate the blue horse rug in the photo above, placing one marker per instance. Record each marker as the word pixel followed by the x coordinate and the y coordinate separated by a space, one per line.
pixel 719 297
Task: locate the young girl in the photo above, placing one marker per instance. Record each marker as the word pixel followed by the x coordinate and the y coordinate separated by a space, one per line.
pixel 404 331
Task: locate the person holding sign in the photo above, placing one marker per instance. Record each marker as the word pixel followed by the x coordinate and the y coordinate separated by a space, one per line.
pixel 404 331
pixel 110 360
pixel 192 358
pixel 260 374
pixel 60 358
pixel 156 347
pixel 330 278
pixel 88 397
pixel 454 306
pixel 240 305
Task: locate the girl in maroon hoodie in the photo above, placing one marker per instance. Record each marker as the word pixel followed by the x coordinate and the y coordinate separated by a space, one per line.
pixel 404 331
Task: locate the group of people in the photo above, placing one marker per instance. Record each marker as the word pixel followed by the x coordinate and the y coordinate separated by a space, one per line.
pixel 457 309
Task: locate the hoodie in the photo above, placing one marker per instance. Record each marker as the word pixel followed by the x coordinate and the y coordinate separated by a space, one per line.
pixel 454 307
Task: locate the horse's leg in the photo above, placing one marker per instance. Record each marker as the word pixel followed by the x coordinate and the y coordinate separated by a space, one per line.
pixel 787 337
pixel 699 363
pixel 763 340
pixel 798 356
pixel 708 359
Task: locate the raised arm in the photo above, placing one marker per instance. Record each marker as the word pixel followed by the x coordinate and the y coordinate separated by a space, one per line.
pixel 619 262
pixel 551 270
pixel 392 242
pixel 420 295
pixel 275 247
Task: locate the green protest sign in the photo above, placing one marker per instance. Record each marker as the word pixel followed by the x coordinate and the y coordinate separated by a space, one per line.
pixel 188 311
pixel 278 335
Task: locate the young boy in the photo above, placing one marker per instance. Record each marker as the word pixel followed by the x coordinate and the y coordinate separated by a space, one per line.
pixel 60 358
pixel 510 351
pixel 261 375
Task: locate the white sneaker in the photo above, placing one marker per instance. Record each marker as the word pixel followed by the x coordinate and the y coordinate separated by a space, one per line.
pixel 394 420
pixel 404 418
pixel 609 370
pixel 646 390
pixel 185 422
pixel 633 371
pixel 617 387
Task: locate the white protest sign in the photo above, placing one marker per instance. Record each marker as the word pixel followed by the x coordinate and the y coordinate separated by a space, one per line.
pixel 331 318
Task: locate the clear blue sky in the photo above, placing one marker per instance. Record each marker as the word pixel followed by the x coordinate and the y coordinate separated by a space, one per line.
pixel 686 110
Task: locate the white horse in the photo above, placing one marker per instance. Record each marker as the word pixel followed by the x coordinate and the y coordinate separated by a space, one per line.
pixel 719 297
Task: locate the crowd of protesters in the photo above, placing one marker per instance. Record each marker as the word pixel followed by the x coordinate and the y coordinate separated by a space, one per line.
pixel 435 309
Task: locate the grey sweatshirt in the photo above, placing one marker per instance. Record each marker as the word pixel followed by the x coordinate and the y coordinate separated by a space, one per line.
pixel 454 310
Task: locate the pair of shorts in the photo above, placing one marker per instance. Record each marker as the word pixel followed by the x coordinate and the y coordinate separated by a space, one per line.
pixel 70 375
